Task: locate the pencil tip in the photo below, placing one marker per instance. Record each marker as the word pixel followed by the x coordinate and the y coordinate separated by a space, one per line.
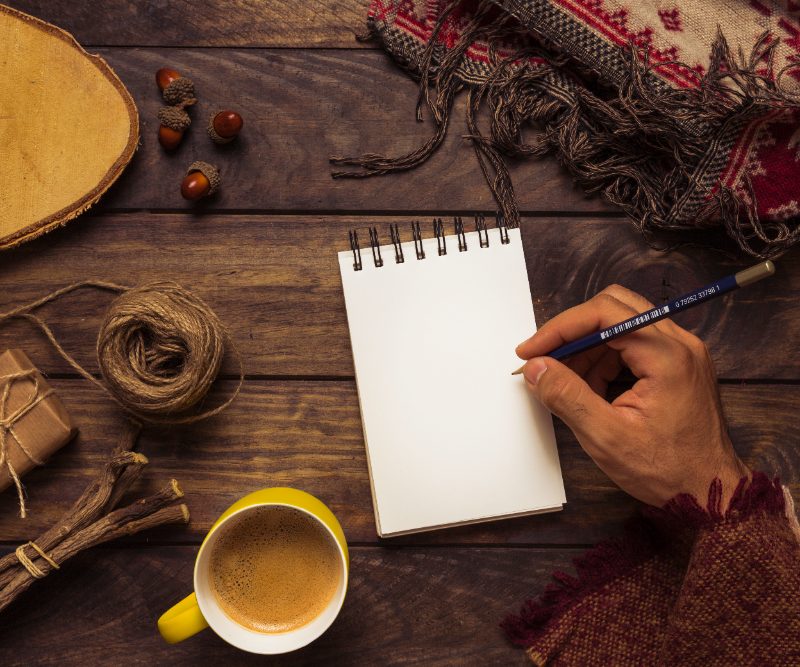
pixel 518 371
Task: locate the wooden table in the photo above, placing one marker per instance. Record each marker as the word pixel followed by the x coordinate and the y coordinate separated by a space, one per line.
pixel 263 255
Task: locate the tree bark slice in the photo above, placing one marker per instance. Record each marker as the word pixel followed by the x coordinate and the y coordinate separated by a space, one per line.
pixel 68 127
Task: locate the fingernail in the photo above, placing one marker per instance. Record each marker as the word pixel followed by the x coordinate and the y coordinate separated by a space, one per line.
pixel 534 370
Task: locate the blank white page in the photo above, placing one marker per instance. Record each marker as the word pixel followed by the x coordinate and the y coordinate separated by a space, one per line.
pixel 452 437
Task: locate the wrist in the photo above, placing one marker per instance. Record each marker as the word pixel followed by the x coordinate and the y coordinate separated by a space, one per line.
pixel 730 476
pixel 729 472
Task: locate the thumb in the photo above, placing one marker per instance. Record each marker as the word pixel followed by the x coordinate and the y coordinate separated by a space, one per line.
pixel 567 396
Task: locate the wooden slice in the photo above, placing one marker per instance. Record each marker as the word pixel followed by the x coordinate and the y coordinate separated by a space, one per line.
pixel 68 127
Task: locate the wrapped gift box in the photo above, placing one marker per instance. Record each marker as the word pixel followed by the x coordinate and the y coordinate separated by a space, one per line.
pixel 42 429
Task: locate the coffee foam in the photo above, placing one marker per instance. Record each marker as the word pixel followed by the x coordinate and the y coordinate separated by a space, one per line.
pixel 274 569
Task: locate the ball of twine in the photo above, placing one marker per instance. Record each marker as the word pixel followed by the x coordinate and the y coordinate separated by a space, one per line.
pixel 160 348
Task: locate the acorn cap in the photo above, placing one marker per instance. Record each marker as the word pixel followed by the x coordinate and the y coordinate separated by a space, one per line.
pixel 212 133
pixel 174 118
pixel 179 90
pixel 209 171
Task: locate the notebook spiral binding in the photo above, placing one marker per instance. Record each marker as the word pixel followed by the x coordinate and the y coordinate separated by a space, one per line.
pixel 416 235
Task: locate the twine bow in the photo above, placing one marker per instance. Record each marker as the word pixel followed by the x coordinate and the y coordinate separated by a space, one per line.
pixel 8 420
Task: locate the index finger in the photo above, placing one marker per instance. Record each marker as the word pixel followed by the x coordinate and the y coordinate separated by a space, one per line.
pixel 638 349
pixel 640 303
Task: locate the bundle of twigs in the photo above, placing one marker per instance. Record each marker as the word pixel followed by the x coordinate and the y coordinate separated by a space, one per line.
pixel 92 520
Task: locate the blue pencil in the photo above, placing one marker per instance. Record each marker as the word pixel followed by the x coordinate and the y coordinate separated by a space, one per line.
pixel 698 296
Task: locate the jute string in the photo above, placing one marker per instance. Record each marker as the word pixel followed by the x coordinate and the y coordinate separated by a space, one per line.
pixel 29 565
pixel 159 349
pixel 7 421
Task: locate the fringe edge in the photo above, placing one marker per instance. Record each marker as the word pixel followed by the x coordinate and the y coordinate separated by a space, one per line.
pixel 637 150
pixel 645 537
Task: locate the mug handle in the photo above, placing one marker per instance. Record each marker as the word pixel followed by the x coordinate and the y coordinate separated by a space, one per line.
pixel 182 621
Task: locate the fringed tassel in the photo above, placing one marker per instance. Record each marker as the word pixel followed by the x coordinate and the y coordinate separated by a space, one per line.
pixel 514 100
pixel 595 568
pixel 642 149
pixel 445 84
pixel 758 494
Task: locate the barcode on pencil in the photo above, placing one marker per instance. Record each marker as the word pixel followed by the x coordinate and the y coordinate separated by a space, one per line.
pixel 642 319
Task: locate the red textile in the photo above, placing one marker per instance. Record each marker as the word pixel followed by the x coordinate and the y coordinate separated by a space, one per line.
pixel 643 101
pixel 685 586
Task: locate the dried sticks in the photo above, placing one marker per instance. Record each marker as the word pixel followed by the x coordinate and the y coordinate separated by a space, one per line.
pixel 93 520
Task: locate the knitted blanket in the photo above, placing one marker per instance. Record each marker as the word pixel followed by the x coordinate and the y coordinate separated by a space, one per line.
pixel 686 586
pixel 686 115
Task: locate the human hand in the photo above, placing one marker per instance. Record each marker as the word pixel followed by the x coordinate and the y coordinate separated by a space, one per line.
pixel 665 435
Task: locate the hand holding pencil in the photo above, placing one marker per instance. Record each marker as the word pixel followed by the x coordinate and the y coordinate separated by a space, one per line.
pixel 666 434
pixel 656 313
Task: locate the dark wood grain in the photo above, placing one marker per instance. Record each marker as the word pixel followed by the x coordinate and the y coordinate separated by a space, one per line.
pixel 280 23
pixel 262 253
pixel 404 606
pixel 308 434
pixel 299 108
pixel 275 282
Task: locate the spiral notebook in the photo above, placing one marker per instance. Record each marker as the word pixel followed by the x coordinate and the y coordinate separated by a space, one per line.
pixel 451 436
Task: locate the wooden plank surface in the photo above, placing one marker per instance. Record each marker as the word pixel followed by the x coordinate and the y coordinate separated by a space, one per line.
pixel 262 254
pixel 299 108
pixel 404 606
pixel 275 282
pixel 276 23
pixel 308 434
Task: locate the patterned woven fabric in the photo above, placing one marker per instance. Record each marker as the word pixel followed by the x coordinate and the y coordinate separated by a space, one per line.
pixel 686 586
pixel 684 114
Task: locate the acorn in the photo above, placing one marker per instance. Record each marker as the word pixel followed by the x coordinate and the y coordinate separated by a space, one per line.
pixel 224 126
pixel 180 91
pixel 176 89
pixel 165 76
pixel 168 138
pixel 201 180
pixel 174 121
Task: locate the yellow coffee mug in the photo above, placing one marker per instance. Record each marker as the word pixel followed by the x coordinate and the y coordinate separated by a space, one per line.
pixel 201 609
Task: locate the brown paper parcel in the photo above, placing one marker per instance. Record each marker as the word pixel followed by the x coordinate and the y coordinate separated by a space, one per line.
pixel 42 430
